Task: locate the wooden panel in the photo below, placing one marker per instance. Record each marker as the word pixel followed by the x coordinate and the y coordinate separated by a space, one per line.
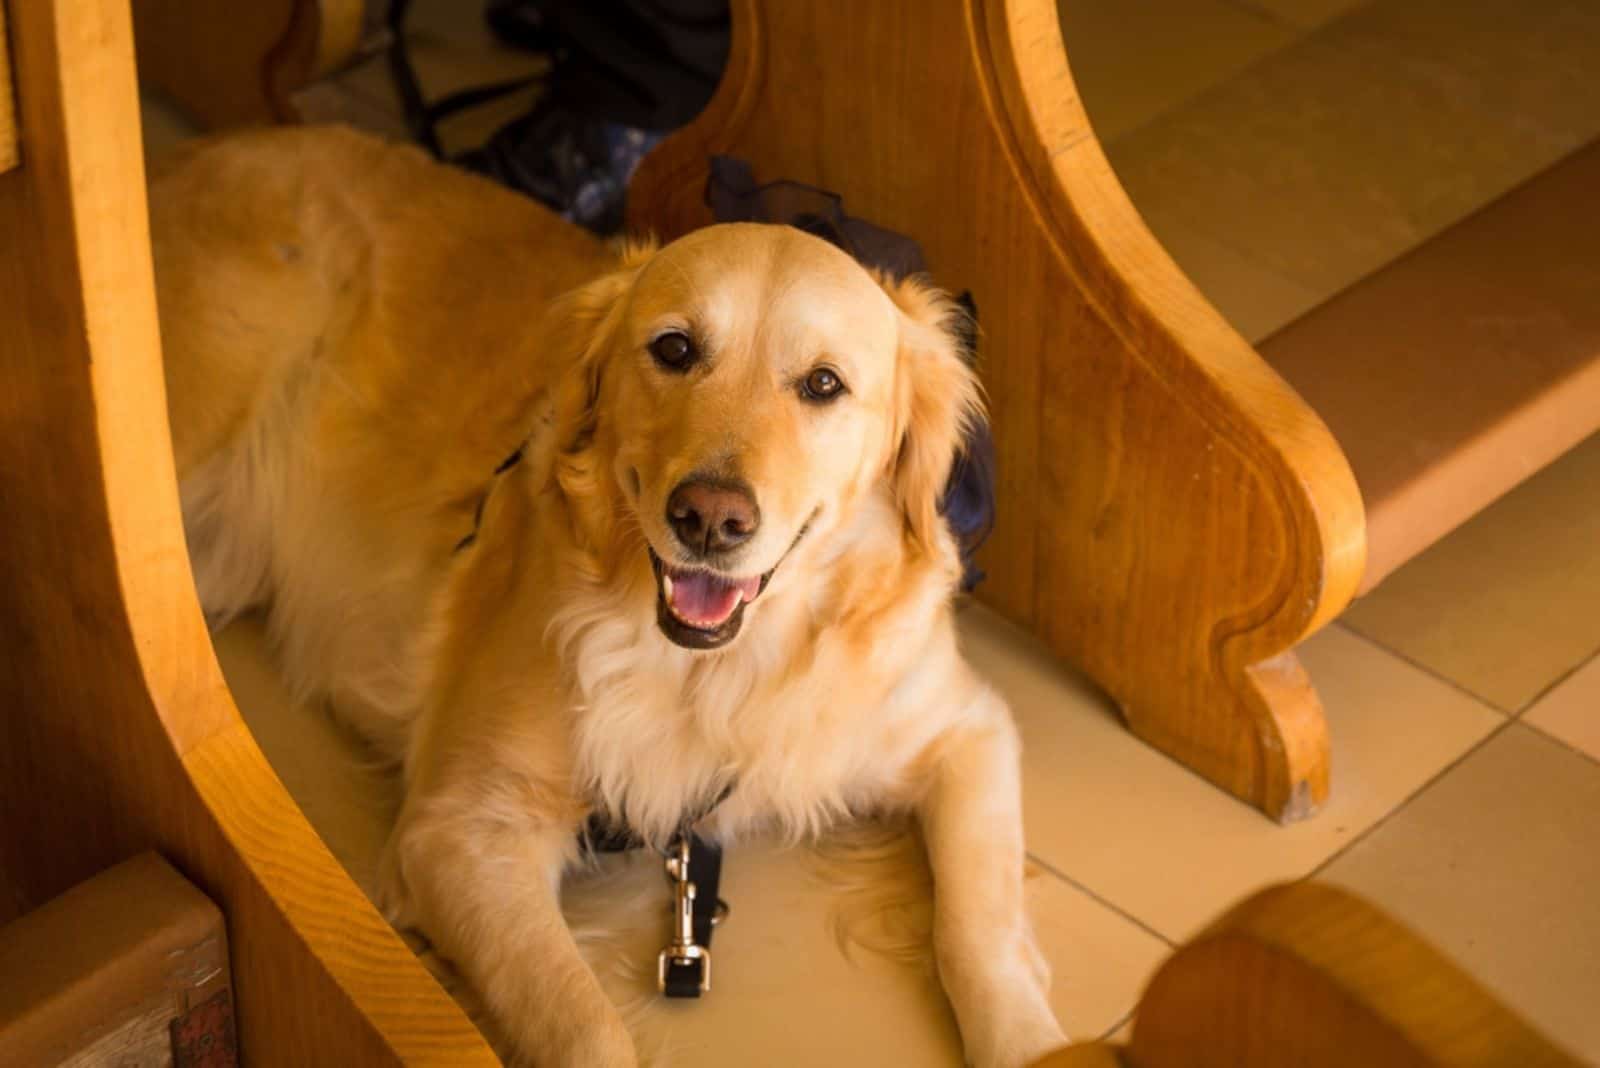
pixel 117 733
pixel 231 64
pixel 211 58
pixel 1459 370
pixel 1173 518
pixel 98 975
pixel 8 103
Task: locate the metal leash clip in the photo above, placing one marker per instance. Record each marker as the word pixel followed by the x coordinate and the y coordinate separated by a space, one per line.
pixel 684 967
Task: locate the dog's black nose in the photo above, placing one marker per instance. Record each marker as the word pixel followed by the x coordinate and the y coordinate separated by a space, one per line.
pixel 712 516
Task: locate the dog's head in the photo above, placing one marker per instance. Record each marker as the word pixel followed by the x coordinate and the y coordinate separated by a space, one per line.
pixel 749 387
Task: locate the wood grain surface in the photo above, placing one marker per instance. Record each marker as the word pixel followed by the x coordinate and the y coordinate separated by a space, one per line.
pixel 1312 976
pixel 1173 518
pixel 8 103
pixel 97 975
pixel 117 733
pixel 230 64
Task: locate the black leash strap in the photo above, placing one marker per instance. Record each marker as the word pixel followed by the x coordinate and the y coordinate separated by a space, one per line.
pixel 477 516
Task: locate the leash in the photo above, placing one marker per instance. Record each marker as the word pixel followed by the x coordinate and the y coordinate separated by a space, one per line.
pixel 694 868
pixel 694 871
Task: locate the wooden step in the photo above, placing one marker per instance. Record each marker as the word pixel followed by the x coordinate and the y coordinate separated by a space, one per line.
pixel 1464 367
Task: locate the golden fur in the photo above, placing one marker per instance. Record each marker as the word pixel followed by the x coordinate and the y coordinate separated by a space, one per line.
pixel 357 337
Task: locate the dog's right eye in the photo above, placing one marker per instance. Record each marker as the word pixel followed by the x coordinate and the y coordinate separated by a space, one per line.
pixel 674 350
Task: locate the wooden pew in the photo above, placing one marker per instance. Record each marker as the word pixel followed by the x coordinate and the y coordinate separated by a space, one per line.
pixel 1312 976
pixel 117 733
pixel 1177 510
pixel 1174 518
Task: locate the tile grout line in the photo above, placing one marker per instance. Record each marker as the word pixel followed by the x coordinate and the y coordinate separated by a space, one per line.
pixel 1518 716
pixel 1119 910
pixel 1529 704
pixel 1432 673
pixel 1563 743
pixel 1406 801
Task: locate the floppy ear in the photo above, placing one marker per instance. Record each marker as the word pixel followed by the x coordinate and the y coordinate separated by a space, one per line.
pixel 579 325
pixel 938 401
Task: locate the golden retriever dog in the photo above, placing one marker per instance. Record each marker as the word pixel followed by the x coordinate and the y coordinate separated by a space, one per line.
pixel 718 569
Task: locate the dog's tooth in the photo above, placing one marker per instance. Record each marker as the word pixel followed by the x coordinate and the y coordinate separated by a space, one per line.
pixel 666 586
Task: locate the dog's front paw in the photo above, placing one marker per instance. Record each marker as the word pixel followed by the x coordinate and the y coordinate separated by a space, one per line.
pixel 601 1041
pixel 390 892
pixel 1015 1039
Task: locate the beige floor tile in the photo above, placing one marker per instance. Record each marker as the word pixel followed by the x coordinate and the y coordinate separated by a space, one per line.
pixel 780 969
pixel 1328 158
pixel 1524 68
pixel 1134 59
pixel 1510 602
pixel 1285 164
pixel 1161 844
pixel 334 101
pixel 326 770
pixel 1497 865
pixel 1571 711
pixel 1254 299
pixel 1101 960
pixel 445 64
pixel 783 991
pixel 460 23
pixel 1302 14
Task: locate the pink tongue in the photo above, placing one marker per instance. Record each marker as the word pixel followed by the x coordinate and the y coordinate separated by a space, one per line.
pixel 702 598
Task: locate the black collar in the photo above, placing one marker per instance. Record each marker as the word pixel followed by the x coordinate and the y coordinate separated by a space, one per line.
pixel 477 515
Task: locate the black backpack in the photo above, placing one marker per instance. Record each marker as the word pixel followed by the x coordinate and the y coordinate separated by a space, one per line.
pixel 622 74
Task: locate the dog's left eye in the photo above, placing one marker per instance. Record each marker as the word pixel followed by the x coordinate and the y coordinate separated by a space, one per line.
pixel 674 350
pixel 822 384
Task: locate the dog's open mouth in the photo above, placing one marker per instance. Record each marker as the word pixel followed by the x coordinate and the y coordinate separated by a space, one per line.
pixel 702 609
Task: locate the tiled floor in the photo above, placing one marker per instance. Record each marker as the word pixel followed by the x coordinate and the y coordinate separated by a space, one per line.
pixel 1496 862
pixel 1451 612
pixel 1281 149
pixel 1179 48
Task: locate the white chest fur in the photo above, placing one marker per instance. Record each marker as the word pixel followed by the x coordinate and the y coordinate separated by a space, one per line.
pixel 660 731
